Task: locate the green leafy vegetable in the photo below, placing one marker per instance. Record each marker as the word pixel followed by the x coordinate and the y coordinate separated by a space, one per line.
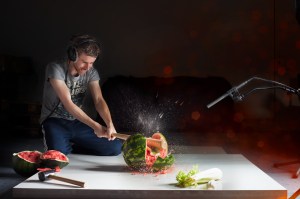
pixel 194 177
pixel 185 179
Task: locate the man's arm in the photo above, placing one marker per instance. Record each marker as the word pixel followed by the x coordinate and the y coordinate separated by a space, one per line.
pixel 102 107
pixel 63 93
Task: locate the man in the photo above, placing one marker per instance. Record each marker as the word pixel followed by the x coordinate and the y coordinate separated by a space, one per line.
pixel 66 127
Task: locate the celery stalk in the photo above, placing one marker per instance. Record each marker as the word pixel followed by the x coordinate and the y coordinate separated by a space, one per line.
pixel 194 177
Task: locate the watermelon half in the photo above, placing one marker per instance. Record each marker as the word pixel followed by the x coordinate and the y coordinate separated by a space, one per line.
pixel 141 157
pixel 52 159
pixel 25 163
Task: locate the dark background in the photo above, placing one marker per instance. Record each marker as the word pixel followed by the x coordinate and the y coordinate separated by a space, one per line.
pixel 232 39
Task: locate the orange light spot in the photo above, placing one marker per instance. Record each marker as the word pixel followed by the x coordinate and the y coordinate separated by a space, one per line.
pixel 281 197
pixel 260 144
pixel 230 134
pixel 195 115
pixel 167 70
pixel 238 117
pixel 281 71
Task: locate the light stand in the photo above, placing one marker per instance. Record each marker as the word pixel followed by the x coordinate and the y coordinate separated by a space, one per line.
pixel 236 95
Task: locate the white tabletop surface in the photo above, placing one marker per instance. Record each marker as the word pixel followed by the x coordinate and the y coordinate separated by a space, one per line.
pixel 109 177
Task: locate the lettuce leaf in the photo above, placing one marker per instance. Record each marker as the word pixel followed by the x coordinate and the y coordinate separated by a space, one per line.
pixel 185 179
pixel 194 177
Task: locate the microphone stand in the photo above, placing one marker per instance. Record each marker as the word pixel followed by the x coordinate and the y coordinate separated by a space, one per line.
pixel 236 95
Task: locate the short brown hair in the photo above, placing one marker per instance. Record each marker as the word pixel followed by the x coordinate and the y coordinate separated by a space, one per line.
pixel 86 44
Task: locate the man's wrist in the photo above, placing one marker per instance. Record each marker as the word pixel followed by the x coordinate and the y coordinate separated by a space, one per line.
pixel 109 125
pixel 95 125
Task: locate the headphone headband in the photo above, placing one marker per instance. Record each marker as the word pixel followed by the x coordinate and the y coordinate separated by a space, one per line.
pixel 83 41
pixel 76 42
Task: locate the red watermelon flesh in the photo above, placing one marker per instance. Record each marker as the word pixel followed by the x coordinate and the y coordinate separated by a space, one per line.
pixel 52 159
pixel 139 156
pixel 153 153
pixel 30 156
pixel 25 163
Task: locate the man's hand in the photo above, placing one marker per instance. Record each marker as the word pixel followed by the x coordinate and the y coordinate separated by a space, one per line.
pixel 102 131
pixel 110 130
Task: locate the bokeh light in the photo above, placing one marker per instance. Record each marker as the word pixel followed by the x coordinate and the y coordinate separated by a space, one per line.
pixel 168 70
pixel 238 117
pixel 281 71
pixel 260 143
pixel 195 115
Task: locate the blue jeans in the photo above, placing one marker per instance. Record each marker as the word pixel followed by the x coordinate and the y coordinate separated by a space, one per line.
pixel 74 136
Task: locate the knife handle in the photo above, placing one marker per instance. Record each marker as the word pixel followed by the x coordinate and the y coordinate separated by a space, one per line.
pixel 67 180
pixel 150 141
pixel 121 136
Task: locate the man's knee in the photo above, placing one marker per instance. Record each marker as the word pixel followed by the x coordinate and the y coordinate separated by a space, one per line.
pixel 113 149
pixel 117 149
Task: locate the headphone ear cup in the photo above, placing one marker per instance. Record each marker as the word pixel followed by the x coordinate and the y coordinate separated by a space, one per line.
pixel 72 53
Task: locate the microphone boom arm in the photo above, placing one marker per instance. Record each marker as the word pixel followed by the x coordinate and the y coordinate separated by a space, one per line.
pixel 237 96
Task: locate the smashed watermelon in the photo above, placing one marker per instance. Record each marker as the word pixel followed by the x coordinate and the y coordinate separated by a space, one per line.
pixel 141 157
pixel 26 163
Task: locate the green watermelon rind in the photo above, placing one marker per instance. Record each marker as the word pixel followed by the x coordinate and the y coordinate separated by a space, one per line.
pixel 53 163
pixel 23 167
pixel 26 168
pixel 48 163
pixel 163 163
pixel 136 160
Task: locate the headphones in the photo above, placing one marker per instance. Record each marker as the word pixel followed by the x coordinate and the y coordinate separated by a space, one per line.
pixel 72 51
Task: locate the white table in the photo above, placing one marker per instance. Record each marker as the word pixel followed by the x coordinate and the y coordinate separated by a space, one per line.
pixel 109 177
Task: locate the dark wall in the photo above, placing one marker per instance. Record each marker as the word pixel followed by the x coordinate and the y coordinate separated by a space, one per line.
pixel 234 39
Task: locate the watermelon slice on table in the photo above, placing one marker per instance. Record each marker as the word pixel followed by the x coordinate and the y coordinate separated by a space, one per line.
pixel 52 159
pixel 25 163
pixel 141 157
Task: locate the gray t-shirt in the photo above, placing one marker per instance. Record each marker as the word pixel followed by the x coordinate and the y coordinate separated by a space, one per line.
pixel 78 86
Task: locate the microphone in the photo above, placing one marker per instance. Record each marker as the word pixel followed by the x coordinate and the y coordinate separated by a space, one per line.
pixel 237 96
pixel 228 93
pixel 298 93
pixel 233 93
